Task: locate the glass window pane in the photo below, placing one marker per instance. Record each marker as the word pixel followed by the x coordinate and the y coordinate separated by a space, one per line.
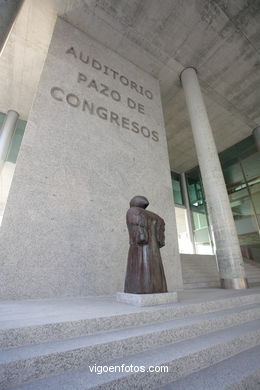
pixel 251 167
pixel 241 167
pixel 184 240
pixel 177 190
pixel 198 207
pixel 249 238
pixel 7 171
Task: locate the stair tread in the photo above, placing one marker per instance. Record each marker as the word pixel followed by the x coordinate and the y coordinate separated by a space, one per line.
pixel 44 312
pixel 31 351
pixel 220 375
pixel 202 271
pixel 84 379
pixel 29 332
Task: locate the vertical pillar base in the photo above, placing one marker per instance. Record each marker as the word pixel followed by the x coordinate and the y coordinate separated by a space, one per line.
pixel 235 283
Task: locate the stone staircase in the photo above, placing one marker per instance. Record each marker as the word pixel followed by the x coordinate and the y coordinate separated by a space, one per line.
pixel 252 272
pixel 207 332
pixel 200 271
pixel 239 372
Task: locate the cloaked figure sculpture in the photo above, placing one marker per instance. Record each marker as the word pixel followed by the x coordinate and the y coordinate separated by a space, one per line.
pixel 145 274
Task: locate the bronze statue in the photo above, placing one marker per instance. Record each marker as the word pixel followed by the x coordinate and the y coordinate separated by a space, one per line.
pixel 145 274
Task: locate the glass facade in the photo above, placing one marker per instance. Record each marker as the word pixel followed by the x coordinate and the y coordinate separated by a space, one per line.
pixel 241 169
pixel 198 210
pixel 184 238
pixel 177 188
pixel 181 214
pixel 7 171
pixel 201 229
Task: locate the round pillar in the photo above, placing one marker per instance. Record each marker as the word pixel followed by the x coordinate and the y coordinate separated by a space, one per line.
pixel 228 253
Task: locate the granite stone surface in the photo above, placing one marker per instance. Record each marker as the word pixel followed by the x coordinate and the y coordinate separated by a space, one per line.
pixel 195 333
pixel 32 362
pixel 94 139
pixel 181 358
pixel 147 299
pixel 239 372
pixel 37 321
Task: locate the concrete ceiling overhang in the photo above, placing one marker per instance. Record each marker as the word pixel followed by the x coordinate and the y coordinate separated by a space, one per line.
pixel 220 38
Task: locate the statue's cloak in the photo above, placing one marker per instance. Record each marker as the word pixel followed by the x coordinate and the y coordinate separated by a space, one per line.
pixel 145 272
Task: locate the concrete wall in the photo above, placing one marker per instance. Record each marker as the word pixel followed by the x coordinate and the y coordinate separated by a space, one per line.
pixel 64 231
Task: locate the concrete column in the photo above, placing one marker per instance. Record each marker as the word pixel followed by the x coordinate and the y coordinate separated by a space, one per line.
pixel 228 253
pixel 6 135
pixel 256 135
pixel 8 12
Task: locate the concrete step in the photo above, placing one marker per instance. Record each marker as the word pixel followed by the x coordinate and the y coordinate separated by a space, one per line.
pixel 239 372
pixel 253 280
pixel 254 284
pixel 253 274
pixel 200 271
pixel 201 279
pixel 201 274
pixel 26 330
pixel 18 365
pixel 182 358
pixel 251 382
pixel 251 271
pixel 37 331
pixel 202 284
